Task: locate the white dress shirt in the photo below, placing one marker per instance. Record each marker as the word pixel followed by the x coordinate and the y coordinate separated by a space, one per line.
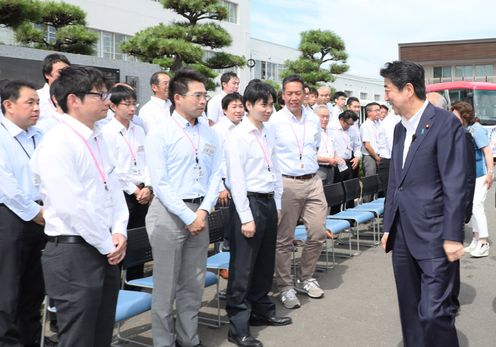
pixel 17 189
pixel 78 185
pixel 326 148
pixel 334 113
pixel 386 135
pixel 48 113
pixel 249 155
pixel 214 108
pixel 344 143
pixel 411 127
pixel 222 128
pixel 369 133
pixel 175 175
pixel 297 142
pixel 127 149
pixel 154 112
pixel 110 115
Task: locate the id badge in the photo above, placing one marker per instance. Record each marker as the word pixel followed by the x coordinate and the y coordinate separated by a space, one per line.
pixel 197 172
pixel 271 177
pixel 136 171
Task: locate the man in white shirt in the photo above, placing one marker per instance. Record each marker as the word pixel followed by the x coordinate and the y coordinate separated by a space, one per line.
pixel 338 108
pixel 255 182
pixel 157 110
pixel 369 133
pixel 229 83
pixel 184 157
pixel 85 212
pixel 385 146
pixel 52 64
pixel 324 97
pixel 326 156
pixel 353 104
pixel 21 219
pixel 297 141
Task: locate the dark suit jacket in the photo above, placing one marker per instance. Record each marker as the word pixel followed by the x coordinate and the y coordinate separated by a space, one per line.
pixel 429 193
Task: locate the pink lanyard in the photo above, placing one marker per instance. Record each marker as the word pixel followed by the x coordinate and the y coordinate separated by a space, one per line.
pixel 265 149
pixel 133 155
pixel 99 166
pixel 300 149
pixel 195 148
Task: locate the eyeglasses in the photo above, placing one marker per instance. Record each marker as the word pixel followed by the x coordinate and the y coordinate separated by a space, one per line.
pixel 104 96
pixel 129 104
pixel 197 96
pixel 350 123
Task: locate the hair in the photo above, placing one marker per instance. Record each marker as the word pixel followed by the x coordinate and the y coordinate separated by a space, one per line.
pixel 324 87
pixel 120 93
pixel 47 65
pixel 402 72
pixel 385 107
pixel 280 99
pixel 370 104
pixel 11 90
pixel 154 78
pixel 437 100
pixel 313 91
pixel 292 78
pixel 226 100
pixel 226 77
pixel 179 83
pixel 338 95
pixel 259 91
pixel 77 80
pixel 319 106
pixel 465 110
pixel 348 114
pixel 351 99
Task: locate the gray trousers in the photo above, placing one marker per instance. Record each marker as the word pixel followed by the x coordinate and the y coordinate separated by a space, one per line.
pixel 369 165
pixel 179 266
pixel 326 174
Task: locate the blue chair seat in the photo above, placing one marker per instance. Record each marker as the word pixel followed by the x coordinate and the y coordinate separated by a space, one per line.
pixel 356 216
pixel 337 225
pixel 210 279
pixel 130 304
pixel 147 282
pixel 377 209
pixel 218 261
pixel 300 233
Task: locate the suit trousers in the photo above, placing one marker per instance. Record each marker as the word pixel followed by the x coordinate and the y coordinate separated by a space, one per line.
pixel 137 214
pixel 251 267
pixel 179 267
pixel 383 172
pixel 22 285
pixel 369 169
pixel 425 291
pixel 84 288
pixel 326 174
pixel 305 199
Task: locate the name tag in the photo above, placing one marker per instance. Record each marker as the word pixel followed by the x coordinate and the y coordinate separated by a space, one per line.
pixel 208 149
pixel 141 148
pixel 198 172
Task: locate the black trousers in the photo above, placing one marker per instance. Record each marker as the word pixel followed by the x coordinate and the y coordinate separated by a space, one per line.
pixel 137 212
pixel 22 287
pixel 383 172
pixel 340 177
pixel 251 267
pixel 426 289
pixel 84 288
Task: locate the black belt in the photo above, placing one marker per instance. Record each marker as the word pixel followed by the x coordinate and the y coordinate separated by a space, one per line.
pixel 195 200
pixel 260 195
pixel 326 166
pixel 302 177
pixel 75 239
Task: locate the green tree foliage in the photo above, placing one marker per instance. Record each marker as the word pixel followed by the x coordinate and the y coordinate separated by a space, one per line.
pixel 182 44
pixel 322 56
pixel 69 22
pixel 15 12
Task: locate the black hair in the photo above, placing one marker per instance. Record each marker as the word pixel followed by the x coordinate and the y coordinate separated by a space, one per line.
pixel 121 93
pixel 293 78
pixel 50 60
pixel 402 72
pixel 338 95
pixel 385 107
pixel 179 83
pixel 11 90
pixel 78 80
pixel 226 77
pixel 226 100
pixel 348 114
pixel 259 91
pixel 352 99
pixel 154 79
pixel 373 103
pixel 313 91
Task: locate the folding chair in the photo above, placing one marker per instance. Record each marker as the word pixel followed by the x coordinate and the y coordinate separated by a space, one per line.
pixel 370 187
pixel 131 304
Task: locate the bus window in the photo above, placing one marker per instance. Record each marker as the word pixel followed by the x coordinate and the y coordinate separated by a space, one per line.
pixel 485 106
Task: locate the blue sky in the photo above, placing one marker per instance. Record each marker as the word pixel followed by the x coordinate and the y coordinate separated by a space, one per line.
pixel 372 29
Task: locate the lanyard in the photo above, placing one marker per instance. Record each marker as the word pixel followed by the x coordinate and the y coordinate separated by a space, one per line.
pixel 265 149
pixel 99 166
pixel 133 155
pixel 300 149
pixel 20 144
pixel 195 148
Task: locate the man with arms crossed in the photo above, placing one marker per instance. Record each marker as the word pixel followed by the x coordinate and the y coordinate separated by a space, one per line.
pixel 425 208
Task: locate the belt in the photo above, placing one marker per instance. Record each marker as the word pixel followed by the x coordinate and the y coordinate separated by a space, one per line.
pixel 195 200
pixel 302 177
pixel 74 239
pixel 326 166
pixel 260 195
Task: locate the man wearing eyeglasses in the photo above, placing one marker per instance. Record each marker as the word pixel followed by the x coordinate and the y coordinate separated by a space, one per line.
pixel 230 84
pixel 184 157
pixel 157 109
pixel 85 212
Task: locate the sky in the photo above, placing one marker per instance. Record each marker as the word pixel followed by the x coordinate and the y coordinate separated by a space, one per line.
pixel 372 29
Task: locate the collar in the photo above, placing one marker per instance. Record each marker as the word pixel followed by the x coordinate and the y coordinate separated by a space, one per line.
pixel 412 124
pixel 14 130
pixel 228 122
pixel 159 101
pixel 118 126
pixel 293 117
pixel 82 129
pixel 182 121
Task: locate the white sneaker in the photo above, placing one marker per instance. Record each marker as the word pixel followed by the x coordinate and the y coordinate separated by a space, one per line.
pixel 310 287
pixel 289 299
pixel 472 246
pixel 481 250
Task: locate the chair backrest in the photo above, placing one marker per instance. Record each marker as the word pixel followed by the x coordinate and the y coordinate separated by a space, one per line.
pixel 352 189
pixel 216 226
pixel 370 185
pixel 139 250
pixel 334 194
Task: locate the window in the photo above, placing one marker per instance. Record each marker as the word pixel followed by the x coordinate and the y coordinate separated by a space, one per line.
pixel 464 72
pixel 232 11
pixel 364 96
pixel 377 97
pixel 442 73
pixel 348 93
pixel 109 45
pixel 484 70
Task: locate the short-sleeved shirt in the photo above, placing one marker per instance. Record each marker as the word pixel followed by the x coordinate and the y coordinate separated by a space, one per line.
pixel 481 140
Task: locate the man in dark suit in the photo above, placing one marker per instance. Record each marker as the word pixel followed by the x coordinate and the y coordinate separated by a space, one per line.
pixel 425 208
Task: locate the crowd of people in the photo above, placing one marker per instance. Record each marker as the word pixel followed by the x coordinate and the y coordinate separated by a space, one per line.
pixel 81 165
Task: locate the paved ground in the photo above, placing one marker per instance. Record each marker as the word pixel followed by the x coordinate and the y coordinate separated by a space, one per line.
pixel 360 306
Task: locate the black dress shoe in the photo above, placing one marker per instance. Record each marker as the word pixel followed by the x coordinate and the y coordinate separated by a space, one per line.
pixel 244 341
pixel 257 320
